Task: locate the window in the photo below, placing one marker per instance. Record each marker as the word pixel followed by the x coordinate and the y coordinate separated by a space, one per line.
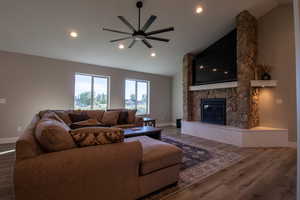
pixel 91 92
pixel 137 96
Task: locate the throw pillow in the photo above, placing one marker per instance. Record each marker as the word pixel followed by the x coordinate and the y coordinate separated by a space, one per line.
pixel 64 116
pixel 110 118
pixel 86 123
pixel 123 117
pixel 78 117
pixel 53 135
pixel 52 115
pixel 131 116
pixel 95 114
pixel 97 136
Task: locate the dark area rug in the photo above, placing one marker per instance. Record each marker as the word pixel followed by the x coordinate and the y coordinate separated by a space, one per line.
pixel 191 155
pixel 198 163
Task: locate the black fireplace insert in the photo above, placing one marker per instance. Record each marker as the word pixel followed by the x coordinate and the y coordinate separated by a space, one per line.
pixel 213 111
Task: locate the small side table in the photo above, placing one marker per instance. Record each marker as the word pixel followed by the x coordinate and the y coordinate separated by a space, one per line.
pixel 149 121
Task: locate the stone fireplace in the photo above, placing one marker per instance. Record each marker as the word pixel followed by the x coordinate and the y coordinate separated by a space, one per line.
pixel 236 121
pixel 241 100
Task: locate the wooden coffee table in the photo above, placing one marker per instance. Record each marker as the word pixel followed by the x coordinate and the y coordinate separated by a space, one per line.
pixel 141 131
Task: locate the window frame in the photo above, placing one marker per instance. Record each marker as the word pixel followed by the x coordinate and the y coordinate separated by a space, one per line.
pixel 136 91
pixel 92 88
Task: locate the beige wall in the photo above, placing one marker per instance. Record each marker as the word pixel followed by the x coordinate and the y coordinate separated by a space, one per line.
pixel 31 83
pixel 276 47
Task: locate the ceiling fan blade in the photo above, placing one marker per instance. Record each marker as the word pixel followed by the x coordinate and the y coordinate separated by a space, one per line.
pixel 132 43
pixel 116 31
pixel 126 38
pixel 160 31
pixel 158 39
pixel 147 44
pixel 149 22
pixel 126 23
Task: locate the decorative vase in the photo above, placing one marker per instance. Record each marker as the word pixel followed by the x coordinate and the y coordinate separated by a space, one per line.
pixel 266 76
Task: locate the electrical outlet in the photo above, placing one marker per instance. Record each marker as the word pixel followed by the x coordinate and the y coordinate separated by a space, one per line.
pixel 2 101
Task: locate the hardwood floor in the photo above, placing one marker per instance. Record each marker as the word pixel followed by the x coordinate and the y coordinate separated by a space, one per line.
pixel 267 174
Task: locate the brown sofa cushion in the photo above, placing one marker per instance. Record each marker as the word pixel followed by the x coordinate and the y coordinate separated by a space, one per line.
pixel 87 123
pixel 64 115
pixel 123 117
pixel 110 118
pixel 131 116
pixel 77 117
pixel 156 154
pixel 53 135
pixel 53 116
pixel 97 136
pixel 95 114
pixel 125 126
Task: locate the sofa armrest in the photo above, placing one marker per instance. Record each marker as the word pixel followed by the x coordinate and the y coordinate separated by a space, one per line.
pixel 139 121
pixel 104 171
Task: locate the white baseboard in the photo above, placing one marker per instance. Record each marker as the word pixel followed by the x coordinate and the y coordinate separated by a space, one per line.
pixel 8 140
pixel 293 145
pixel 164 124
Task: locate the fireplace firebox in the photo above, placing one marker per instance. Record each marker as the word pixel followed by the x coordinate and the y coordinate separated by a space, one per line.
pixel 213 111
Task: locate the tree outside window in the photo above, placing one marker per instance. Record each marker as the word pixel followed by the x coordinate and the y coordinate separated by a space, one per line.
pixel 91 92
pixel 137 96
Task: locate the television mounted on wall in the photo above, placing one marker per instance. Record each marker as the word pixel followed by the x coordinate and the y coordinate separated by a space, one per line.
pixel 217 63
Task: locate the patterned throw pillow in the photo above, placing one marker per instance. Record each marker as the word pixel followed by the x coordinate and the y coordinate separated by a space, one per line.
pixel 97 136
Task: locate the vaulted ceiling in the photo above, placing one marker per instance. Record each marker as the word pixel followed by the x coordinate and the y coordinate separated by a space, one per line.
pixel 41 28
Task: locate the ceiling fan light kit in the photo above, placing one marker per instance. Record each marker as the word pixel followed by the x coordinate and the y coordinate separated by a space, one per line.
pixel 140 34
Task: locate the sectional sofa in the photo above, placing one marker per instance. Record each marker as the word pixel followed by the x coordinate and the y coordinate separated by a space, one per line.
pixel 125 170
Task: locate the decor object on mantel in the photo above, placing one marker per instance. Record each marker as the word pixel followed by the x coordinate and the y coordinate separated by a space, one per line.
pixel 266 69
pixel 140 33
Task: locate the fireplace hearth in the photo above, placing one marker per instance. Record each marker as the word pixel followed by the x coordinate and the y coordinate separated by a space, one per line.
pixel 213 111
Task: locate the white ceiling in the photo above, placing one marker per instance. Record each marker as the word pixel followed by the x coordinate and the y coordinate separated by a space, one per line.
pixel 40 27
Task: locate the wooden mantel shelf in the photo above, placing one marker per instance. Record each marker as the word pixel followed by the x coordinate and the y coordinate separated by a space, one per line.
pixel 263 83
pixel 234 84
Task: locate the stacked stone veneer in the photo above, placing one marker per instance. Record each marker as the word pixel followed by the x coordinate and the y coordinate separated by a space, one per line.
pixel 242 102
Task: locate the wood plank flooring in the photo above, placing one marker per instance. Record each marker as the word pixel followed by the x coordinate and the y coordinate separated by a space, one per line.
pixel 267 174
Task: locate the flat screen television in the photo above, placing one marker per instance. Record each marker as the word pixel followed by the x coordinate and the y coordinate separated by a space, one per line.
pixel 217 63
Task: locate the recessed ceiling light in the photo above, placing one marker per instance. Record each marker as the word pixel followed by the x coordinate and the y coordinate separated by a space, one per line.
pixel 153 54
pixel 74 34
pixel 121 46
pixel 199 9
pixel 214 69
pixel 201 67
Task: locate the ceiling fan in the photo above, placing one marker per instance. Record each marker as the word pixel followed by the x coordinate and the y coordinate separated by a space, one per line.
pixel 140 34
